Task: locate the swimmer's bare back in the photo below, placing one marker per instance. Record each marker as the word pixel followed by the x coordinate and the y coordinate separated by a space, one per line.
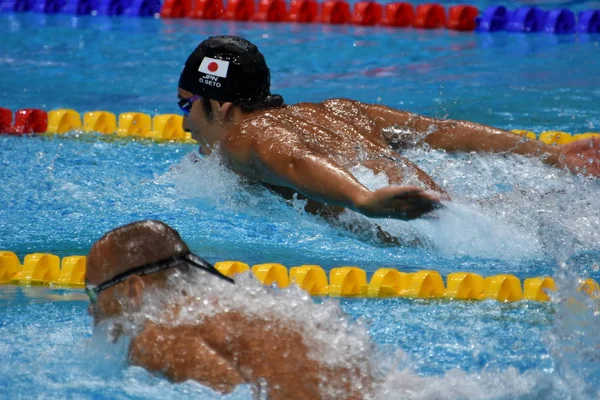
pixel 309 147
pixel 228 349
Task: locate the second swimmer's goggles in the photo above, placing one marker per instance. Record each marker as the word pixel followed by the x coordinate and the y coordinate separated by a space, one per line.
pixel 187 258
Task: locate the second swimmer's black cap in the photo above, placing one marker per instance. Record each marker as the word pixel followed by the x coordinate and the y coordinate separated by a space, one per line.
pixel 226 68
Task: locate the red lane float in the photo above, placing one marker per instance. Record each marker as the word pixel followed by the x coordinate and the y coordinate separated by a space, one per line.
pixel 462 18
pixel 306 11
pixel 367 13
pixel 5 119
pixel 430 16
pixel 176 8
pixel 27 120
pixel 207 9
pixel 31 120
pixel 335 12
pixel 271 11
pixel 239 10
pixel 401 15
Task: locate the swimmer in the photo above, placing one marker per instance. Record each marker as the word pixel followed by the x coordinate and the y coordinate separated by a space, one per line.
pixel 308 149
pixel 222 349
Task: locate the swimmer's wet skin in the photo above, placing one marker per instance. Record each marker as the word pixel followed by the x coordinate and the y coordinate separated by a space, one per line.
pixel 308 148
pixel 222 350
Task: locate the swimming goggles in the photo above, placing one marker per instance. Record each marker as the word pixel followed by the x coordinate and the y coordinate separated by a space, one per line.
pixel 188 258
pixel 186 104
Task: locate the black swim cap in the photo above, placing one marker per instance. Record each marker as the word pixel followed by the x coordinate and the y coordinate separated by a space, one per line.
pixel 226 68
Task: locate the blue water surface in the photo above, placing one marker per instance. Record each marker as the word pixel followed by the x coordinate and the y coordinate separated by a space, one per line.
pixel 509 214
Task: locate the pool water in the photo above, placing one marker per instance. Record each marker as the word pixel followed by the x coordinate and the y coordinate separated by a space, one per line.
pixel 509 214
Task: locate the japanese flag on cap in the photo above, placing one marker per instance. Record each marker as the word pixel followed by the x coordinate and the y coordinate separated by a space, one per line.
pixel 226 68
pixel 214 66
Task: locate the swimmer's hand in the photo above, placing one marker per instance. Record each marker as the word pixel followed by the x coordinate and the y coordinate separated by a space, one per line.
pixel 581 156
pixel 400 202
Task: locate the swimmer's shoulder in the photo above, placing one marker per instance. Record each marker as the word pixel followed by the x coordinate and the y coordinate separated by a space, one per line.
pixel 282 120
pixel 275 116
pixel 260 127
pixel 345 109
pixel 312 110
pixel 342 103
pixel 355 106
pixel 255 125
pixel 258 123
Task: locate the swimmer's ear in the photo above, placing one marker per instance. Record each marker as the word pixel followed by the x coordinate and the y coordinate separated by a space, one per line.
pixel 135 289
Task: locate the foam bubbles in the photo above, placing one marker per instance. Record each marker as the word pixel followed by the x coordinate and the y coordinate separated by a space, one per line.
pixel 458 384
pixel 503 207
pixel 574 340
pixel 330 335
pixel 323 323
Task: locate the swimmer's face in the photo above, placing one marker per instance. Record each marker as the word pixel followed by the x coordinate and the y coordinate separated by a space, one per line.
pixel 205 129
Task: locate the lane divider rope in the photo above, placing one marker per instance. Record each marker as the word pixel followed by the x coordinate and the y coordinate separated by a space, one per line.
pixel 460 17
pixel 32 120
pixel 159 127
pixel 345 281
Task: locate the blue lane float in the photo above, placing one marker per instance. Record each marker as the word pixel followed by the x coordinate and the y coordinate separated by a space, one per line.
pixel 560 21
pixel 494 19
pixel 533 19
pixel 133 8
pixel 143 8
pixel 48 6
pixel 16 5
pixel 526 19
pixel 589 21
pixel 111 8
pixel 37 6
pixel 79 7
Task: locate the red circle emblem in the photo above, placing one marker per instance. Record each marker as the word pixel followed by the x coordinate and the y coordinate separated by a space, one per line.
pixel 213 66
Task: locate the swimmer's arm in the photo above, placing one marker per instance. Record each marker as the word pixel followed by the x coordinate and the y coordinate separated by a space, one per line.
pixel 284 162
pixel 317 177
pixel 452 135
pixel 469 136
pixel 180 354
